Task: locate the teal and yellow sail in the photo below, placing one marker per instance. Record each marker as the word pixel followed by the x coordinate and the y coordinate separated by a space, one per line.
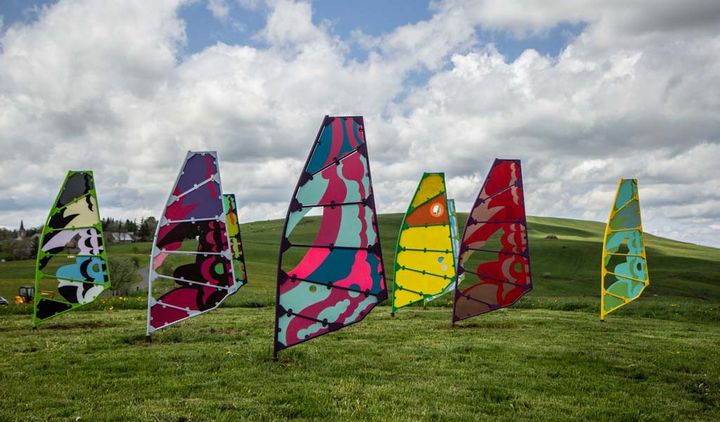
pixel 624 262
pixel 425 252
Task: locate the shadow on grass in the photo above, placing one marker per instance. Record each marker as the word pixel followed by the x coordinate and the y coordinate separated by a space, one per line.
pixel 488 325
pixel 61 326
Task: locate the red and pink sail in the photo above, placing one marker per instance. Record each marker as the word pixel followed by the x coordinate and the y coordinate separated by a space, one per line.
pixel 193 267
pixel 494 256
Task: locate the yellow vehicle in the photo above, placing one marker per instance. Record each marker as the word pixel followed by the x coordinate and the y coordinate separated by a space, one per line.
pixel 27 293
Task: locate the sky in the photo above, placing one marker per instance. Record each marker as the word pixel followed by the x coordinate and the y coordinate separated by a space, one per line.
pixel 583 92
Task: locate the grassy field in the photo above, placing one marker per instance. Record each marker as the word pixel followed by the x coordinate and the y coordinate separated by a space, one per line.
pixel 548 358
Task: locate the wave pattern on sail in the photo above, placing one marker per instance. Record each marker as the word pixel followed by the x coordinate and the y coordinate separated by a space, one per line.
pixel 425 254
pixel 624 262
pixel 330 271
pixel 71 250
pixel 494 252
pixel 196 251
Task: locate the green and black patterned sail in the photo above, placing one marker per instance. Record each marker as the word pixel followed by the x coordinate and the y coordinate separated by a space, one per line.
pixel 71 267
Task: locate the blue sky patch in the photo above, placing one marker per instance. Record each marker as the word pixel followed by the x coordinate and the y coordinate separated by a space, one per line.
pixel 342 17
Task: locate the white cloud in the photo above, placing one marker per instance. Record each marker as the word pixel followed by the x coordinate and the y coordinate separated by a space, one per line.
pixel 249 4
pixel 219 9
pixel 102 86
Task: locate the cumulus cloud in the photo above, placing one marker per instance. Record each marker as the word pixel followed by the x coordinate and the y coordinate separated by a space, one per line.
pixel 96 85
pixel 219 9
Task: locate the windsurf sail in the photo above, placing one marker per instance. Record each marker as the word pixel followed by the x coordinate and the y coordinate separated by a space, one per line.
pixel 330 268
pixel 236 249
pixel 624 263
pixel 455 235
pixel 196 260
pixel 71 265
pixel 494 254
pixel 425 253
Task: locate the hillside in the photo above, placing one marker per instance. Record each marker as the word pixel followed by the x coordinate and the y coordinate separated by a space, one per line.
pixel 565 270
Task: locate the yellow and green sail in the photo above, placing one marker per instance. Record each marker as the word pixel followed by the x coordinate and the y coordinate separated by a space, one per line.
pixel 624 262
pixel 425 252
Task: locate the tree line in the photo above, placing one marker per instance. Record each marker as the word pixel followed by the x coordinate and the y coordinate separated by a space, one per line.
pixel 15 247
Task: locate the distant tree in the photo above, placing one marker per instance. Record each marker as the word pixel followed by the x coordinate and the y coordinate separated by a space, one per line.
pixel 123 273
pixel 33 230
pixel 5 234
pixel 34 245
pixel 146 230
pixel 14 249
pixel 130 226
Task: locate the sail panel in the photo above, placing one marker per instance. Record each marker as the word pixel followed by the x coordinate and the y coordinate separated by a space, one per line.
pixel 197 250
pixel 330 269
pixel 308 310
pixel 342 137
pixel 424 255
pixel 71 250
pixel 349 268
pixel 494 254
pixel 624 273
pixel 349 226
pixel 236 248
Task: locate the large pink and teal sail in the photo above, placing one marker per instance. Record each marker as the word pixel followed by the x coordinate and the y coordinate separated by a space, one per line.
pixel 330 270
pixel 196 260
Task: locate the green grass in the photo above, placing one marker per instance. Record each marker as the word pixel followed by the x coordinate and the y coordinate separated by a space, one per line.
pixel 510 365
pixel 547 358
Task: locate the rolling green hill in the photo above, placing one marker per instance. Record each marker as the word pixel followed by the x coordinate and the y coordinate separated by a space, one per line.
pixel 565 270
